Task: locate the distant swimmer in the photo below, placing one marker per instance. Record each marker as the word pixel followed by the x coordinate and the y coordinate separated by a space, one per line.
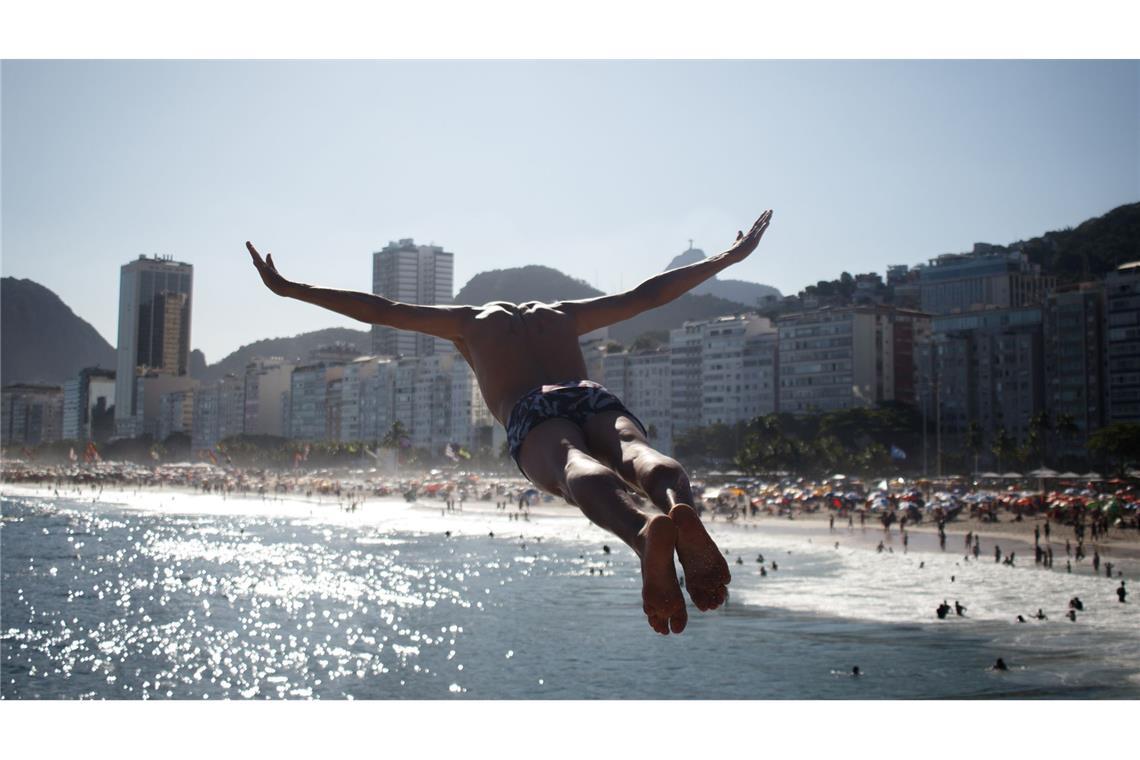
pixel 570 436
pixel 1000 665
pixel 1021 618
pixel 922 564
pixel 447 533
pixel 763 572
pixel 1076 604
pixel 1122 593
pixel 1041 614
pixel 774 565
pixel 739 561
pixel 856 672
pixel 959 608
pixel 997 553
pixel 1072 615
pixel 943 610
pixel 759 557
pixel 606 548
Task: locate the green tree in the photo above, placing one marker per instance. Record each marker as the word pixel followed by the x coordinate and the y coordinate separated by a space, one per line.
pixel 1117 445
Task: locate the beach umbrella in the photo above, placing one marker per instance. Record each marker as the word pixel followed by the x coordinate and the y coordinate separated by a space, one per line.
pixel 989 475
pixel 1012 475
pixel 1068 475
pixel 1092 476
pixel 1044 472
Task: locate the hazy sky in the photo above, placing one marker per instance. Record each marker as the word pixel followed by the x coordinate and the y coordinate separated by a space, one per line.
pixel 603 170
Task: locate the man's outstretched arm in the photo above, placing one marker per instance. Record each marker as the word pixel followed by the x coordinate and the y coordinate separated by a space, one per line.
pixel 440 321
pixel 592 313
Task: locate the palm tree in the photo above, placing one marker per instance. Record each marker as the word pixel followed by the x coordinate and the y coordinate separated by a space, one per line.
pixel 1039 427
pixel 975 440
pixel 1003 445
pixel 1066 427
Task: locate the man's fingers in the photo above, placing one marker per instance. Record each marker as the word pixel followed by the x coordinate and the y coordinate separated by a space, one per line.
pixel 253 253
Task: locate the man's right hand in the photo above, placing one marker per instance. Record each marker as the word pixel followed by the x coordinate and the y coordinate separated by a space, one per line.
pixel 746 244
pixel 268 271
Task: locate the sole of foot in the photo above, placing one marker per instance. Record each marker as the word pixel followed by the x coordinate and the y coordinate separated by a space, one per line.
pixel 661 597
pixel 706 572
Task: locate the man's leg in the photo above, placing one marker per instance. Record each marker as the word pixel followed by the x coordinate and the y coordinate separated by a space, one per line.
pixel 619 443
pixel 553 455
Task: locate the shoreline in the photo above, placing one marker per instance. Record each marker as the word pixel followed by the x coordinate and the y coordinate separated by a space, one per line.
pixel 1121 547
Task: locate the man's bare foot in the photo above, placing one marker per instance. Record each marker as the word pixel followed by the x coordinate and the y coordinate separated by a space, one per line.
pixel 661 596
pixel 706 572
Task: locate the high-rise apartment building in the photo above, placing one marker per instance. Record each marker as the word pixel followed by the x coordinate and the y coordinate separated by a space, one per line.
pixel 1074 364
pixel 842 358
pixel 984 367
pixel 419 274
pixel 154 331
pixel 267 383
pixel 987 277
pixel 88 405
pixel 737 363
pixel 31 414
pixel 1122 343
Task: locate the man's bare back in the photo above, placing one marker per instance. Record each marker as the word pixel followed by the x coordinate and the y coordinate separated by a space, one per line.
pixel 597 460
pixel 514 348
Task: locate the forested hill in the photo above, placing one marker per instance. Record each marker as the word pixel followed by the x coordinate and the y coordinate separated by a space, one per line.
pixel 1091 249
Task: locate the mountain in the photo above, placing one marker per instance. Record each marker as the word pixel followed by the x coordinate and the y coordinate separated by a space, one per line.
pixel 295 349
pixel 740 291
pixel 539 283
pixel 1089 250
pixel 529 283
pixel 41 338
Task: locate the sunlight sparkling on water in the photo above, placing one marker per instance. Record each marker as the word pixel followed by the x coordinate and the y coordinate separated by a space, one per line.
pixel 200 597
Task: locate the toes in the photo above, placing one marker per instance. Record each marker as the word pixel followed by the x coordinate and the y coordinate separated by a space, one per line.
pixel 656 622
pixel 678 622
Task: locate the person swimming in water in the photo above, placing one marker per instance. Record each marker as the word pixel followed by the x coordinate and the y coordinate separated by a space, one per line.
pixel 570 436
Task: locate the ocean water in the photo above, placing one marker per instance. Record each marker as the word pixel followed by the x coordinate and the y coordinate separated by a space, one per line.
pixel 176 596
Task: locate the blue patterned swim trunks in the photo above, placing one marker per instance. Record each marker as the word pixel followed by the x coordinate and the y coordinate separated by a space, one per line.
pixel 574 400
